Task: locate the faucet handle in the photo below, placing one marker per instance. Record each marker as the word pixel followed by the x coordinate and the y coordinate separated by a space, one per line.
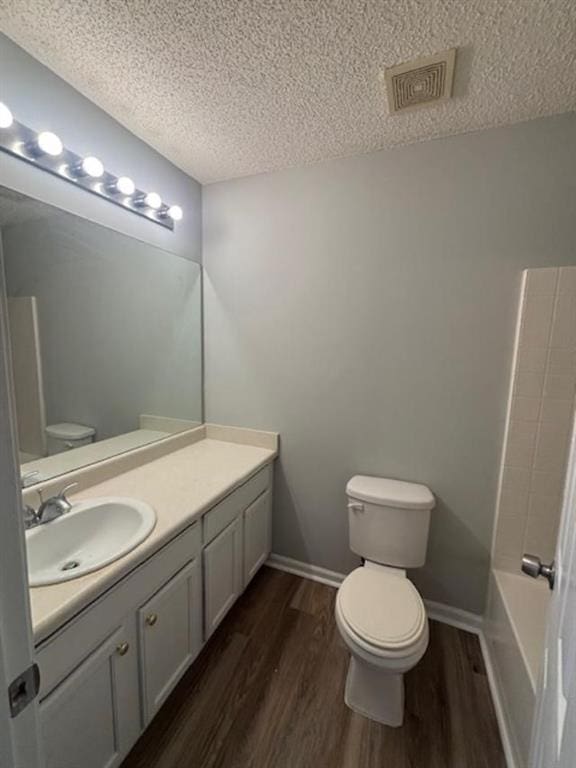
pixel 31 518
pixel 64 491
pixel 66 488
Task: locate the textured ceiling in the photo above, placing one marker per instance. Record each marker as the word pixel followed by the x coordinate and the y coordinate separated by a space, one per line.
pixel 226 88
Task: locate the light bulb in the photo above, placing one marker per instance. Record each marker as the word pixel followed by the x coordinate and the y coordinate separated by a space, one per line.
pixel 92 167
pixel 6 118
pixel 175 213
pixel 153 200
pixel 125 185
pixel 50 144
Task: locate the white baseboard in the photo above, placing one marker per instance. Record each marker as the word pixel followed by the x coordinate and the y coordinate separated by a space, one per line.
pixel 305 570
pixel 471 622
pixel 455 617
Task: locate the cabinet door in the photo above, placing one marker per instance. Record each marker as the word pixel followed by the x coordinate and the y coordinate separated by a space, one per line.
pixel 170 629
pixel 92 718
pixel 257 534
pixel 222 574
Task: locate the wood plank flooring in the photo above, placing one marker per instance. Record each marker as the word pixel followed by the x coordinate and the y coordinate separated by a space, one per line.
pixel 268 692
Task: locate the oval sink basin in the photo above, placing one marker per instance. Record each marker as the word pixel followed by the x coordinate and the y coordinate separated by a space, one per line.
pixel 93 534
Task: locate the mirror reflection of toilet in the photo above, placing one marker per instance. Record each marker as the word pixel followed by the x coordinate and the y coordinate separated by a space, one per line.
pixel 379 612
pixel 66 436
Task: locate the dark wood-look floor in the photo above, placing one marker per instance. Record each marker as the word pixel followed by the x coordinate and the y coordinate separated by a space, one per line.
pixel 268 692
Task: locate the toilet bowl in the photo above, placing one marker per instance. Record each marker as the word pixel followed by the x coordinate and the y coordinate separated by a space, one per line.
pixel 379 612
pixel 382 620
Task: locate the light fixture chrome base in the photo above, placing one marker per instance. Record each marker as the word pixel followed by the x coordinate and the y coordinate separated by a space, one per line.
pixel 18 139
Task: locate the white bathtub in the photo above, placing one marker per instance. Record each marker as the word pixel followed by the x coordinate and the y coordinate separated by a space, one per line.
pixel 515 630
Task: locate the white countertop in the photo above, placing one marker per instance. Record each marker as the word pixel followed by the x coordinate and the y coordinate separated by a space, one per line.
pixel 180 486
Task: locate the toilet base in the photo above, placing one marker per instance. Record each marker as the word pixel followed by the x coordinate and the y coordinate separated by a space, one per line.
pixel 374 693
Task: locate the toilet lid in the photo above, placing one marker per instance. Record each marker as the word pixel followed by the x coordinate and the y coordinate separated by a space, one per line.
pixel 383 609
pixel 68 431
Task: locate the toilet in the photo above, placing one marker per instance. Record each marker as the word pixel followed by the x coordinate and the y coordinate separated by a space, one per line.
pixel 66 436
pixel 379 612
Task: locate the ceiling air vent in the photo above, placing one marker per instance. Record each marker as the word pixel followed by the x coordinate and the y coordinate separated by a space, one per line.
pixel 421 82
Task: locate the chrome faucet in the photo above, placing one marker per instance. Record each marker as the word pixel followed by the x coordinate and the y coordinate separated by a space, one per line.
pixel 30 517
pixel 30 514
pixel 49 510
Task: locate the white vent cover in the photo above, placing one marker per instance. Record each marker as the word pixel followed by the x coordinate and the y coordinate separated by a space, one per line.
pixel 418 83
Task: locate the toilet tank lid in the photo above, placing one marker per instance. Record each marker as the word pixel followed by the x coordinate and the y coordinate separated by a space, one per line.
pixel 390 493
pixel 68 431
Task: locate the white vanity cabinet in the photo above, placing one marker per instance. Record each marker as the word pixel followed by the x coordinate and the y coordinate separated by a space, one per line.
pixel 102 676
pixel 93 717
pixel 257 534
pixel 105 673
pixel 170 635
pixel 237 539
pixel 222 574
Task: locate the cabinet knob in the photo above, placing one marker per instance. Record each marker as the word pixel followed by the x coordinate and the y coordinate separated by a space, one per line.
pixel 123 649
pixel 151 619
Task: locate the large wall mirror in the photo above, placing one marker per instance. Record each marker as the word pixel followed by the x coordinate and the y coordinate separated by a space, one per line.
pixel 105 335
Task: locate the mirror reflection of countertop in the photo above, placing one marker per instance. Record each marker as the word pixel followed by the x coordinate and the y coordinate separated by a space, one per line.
pixel 67 461
pixel 181 486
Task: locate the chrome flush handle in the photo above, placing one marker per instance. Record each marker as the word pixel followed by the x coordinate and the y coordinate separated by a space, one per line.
pixel 534 567
pixel 354 506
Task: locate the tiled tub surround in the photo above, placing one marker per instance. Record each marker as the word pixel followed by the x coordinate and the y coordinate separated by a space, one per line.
pixel 539 419
pixel 529 503
pixel 180 485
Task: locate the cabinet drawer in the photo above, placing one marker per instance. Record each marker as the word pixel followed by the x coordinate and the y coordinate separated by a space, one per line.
pixel 224 513
pixel 64 651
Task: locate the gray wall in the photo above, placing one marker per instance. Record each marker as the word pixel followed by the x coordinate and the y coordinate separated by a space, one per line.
pixel 119 320
pixel 365 309
pixel 43 101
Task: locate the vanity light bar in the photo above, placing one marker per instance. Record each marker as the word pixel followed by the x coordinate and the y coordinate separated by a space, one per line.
pixel 45 150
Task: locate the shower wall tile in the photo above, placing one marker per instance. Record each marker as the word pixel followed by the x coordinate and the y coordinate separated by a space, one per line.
pixel 510 535
pixel 526 408
pixel 515 480
pixel 556 411
pixel 559 386
pixel 540 536
pixel 529 384
pixel 562 361
pixel 564 321
pixel 521 444
pixel 567 280
pixel 551 447
pixel 546 483
pixel 540 419
pixel 542 281
pixel 537 320
pixel 533 359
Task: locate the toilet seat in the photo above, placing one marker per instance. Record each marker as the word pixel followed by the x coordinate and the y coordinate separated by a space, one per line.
pixel 383 612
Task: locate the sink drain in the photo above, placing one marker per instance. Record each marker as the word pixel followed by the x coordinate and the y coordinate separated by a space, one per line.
pixel 70 565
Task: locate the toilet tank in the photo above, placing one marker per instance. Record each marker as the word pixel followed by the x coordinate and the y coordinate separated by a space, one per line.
pixel 389 520
pixel 66 436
